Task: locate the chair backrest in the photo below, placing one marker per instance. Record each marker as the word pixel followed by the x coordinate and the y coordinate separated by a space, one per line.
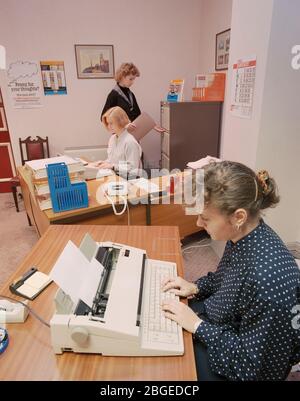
pixel 35 148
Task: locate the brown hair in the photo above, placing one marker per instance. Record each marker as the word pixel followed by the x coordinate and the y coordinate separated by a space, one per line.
pixel 118 115
pixel 126 69
pixel 229 186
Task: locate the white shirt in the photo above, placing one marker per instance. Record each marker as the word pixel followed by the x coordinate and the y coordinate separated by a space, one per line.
pixel 125 150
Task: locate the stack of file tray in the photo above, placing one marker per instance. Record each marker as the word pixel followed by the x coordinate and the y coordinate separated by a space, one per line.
pixel 64 195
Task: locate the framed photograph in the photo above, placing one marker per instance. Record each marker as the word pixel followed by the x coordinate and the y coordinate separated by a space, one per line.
pixel 95 61
pixel 222 50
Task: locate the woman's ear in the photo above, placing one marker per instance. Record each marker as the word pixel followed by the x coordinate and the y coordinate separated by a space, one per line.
pixel 239 218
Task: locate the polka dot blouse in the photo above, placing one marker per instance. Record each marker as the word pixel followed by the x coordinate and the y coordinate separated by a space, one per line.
pixel 248 301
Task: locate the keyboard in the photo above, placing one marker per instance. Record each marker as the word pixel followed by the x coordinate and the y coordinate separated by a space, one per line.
pixel 158 332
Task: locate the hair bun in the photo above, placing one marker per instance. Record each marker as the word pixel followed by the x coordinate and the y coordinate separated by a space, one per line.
pixel 263 177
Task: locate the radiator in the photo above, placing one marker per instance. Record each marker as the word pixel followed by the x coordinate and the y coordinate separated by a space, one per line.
pixel 90 153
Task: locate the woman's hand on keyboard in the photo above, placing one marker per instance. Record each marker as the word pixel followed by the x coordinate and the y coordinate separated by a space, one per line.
pixel 179 287
pixel 181 314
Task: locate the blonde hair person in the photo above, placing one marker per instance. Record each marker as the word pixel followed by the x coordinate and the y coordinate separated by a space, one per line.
pixel 122 96
pixel 123 149
pixel 241 316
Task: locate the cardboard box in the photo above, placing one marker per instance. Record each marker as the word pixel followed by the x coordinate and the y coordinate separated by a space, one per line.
pixel 209 87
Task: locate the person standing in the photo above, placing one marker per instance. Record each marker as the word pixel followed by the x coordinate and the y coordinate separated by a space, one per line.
pixel 122 96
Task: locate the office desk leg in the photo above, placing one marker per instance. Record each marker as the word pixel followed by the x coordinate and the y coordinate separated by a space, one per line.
pixel 148 212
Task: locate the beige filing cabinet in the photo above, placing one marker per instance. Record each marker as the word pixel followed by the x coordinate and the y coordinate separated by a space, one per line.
pixel 192 132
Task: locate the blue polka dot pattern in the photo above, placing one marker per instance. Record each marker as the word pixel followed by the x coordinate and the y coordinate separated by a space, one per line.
pixel 248 307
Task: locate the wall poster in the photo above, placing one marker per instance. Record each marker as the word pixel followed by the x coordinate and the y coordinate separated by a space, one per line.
pixel 24 84
pixel 54 80
pixel 242 89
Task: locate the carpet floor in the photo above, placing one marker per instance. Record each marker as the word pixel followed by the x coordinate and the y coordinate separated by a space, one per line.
pixel 16 236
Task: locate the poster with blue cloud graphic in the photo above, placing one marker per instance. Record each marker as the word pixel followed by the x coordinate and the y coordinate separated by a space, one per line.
pixel 25 84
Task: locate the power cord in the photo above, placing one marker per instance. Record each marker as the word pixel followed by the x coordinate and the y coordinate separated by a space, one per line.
pixel 31 311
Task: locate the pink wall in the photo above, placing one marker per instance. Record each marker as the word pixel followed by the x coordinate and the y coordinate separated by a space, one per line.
pixel 250 32
pixel 160 36
pixel 216 17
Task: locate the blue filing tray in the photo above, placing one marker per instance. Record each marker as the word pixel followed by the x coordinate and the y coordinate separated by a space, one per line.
pixel 64 195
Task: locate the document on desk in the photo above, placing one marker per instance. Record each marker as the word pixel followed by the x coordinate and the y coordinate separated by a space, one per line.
pixel 92 172
pixel 146 185
pixel 75 275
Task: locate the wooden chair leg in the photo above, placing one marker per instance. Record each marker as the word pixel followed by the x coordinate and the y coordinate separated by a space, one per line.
pixel 14 192
pixel 29 221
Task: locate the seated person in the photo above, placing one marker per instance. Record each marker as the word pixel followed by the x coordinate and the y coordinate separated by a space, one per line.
pixel 242 316
pixel 124 152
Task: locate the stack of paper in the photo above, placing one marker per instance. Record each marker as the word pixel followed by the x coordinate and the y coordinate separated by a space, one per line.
pixel 38 167
pixel 40 179
pixel 203 162
pixel 146 185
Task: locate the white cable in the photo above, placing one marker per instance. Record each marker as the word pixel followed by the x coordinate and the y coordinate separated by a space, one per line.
pixel 113 205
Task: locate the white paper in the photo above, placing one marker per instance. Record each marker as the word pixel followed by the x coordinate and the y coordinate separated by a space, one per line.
pixel 203 162
pixel 38 280
pixel 41 163
pixel 146 185
pixel 27 290
pixel 90 284
pixel 75 275
pixel 91 172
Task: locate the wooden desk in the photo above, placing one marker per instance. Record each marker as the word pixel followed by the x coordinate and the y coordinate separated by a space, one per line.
pixel 99 214
pixel 29 355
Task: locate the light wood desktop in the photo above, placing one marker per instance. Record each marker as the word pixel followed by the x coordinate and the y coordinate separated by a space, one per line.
pixel 102 213
pixel 29 355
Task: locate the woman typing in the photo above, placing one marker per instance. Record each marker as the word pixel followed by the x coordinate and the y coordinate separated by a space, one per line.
pixel 124 152
pixel 241 316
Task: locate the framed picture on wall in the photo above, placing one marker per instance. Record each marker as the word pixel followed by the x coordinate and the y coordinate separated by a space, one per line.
pixel 95 61
pixel 222 50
